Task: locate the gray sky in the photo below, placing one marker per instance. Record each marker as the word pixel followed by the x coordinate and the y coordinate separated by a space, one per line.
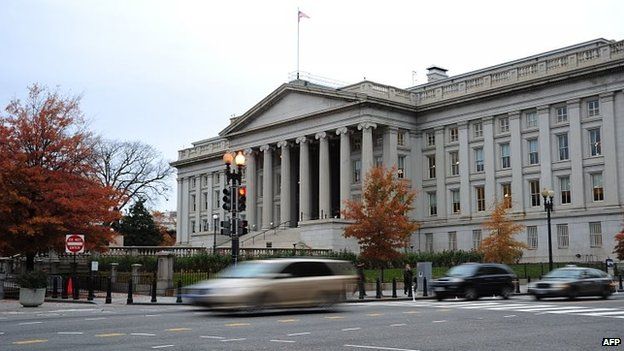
pixel 172 72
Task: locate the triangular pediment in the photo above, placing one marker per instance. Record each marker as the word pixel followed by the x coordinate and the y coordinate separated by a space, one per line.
pixel 288 103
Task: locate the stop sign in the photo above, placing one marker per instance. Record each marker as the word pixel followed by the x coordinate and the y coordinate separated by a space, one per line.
pixel 74 243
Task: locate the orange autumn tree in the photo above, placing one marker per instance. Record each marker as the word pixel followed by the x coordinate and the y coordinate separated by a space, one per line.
pixel 619 245
pixel 47 186
pixel 381 223
pixel 500 246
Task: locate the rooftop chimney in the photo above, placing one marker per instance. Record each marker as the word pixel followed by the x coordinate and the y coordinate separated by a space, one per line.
pixel 436 73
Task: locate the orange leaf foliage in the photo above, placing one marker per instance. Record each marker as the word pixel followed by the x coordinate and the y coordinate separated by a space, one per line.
pixel 381 219
pixel 46 185
pixel 619 245
pixel 500 246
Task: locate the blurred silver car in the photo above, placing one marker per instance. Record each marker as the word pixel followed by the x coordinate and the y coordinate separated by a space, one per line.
pixel 279 283
pixel 572 281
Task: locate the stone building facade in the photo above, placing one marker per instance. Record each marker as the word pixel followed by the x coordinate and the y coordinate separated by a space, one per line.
pixel 553 120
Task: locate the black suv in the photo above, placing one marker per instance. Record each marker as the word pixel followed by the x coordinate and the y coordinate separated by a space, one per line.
pixel 473 280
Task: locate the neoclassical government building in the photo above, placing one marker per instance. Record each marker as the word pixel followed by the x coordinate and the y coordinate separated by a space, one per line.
pixel 554 121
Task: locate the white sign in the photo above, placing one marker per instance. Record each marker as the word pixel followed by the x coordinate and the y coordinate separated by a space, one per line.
pixel 94 266
pixel 74 243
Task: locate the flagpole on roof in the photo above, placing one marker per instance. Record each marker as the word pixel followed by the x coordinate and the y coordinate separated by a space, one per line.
pixel 298 20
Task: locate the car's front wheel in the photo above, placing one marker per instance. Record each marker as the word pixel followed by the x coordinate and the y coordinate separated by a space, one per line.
pixel 606 292
pixel 506 292
pixel 471 294
pixel 439 296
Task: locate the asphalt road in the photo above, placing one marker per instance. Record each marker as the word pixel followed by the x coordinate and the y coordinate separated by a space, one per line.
pixel 487 324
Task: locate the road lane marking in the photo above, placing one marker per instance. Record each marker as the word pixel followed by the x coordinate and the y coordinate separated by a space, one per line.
pixel 162 346
pixel 398 325
pixel 480 305
pixel 374 314
pixel 516 306
pixel 410 312
pixel 1 333
pixel 378 347
pixel 48 314
pixel 211 337
pixel 599 314
pixel 70 333
pixel 582 309
pixel 509 316
pixel 142 334
pixel 298 334
pixel 108 335
pixel 440 321
pixel 28 342
pixel 29 323
pixel 278 340
pixel 288 320
pixel 236 324
pixel 543 309
pixel 350 329
pixel 178 329
pixel 334 317
pixel 95 319
pixel 153 315
pixel 237 339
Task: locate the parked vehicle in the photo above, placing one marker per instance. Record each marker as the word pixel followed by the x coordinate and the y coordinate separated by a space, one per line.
pixel 473 280
pixel 279 283
pixel 572 281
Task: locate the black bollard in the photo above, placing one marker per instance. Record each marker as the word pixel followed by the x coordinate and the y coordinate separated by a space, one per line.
pixel 129 301
pixel 378 288
pixel 528 280
pixel 394 288
pixel 54 287
pixel 621 288
pixel 90 296
pixel 540 277
pixel 425 292
pixel 109 291
pixel 517 285
pixel 410 292
pixel 153 290
pixel 541 269
pixel 179 299
pixel 64 288
pixel 361 288
pixel 76 291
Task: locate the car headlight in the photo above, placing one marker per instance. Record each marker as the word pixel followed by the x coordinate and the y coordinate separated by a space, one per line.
pixel 560 285
pixel 456 280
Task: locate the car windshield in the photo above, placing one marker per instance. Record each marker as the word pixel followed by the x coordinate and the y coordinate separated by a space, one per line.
pixel 248 270
pixel 461 271
pixel 563 274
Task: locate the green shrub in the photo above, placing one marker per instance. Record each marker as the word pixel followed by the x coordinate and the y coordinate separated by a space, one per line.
pixel 33 280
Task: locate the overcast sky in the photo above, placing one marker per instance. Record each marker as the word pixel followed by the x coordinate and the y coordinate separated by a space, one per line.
pixel 172 72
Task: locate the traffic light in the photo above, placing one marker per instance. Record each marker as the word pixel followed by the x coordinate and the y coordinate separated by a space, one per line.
pixel 242 227
pixel 226 228
pixel 227 199
pixel 242 197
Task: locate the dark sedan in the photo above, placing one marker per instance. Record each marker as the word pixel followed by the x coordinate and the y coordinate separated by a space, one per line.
pixel 473 280
pixel 571 282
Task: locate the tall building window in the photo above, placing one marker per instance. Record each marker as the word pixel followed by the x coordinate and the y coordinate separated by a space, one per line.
pixel 563 239
pixel 204 226
pixel 506 187
pixel 595 234
pixel 531 119
pixel 478 154
pixel 192 224
pixel 216 199
pixel 503 124
pixel 216 179
pixel 193 203
pixel 505 155
pixel 562 114
pixel 454 157
pixel 356 144
pixel 480 195
pixel 476 238
pixel 205 200
pixel 453 135
pixel 594 142
pixel 452 241
pixel 532 237
pixel 401 138
pixel 378 140
pixel 204 180
pixel 564 185
pixel 477 129
pixel 378 161
pixel 430 138
pixel 401 167
pixel 534 186
pixel 597 188
pixel 593 108
pixel 562 145
pixel 357 170
pixel 433 203
pixel 432 166
pixel 533 153
pixel 429 242
pixel 455 199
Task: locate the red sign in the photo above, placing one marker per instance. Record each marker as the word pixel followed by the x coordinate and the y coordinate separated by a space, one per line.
pixel 74 243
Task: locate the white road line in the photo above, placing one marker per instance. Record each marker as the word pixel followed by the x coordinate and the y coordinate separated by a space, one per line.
pixel 75 310
pixel 1 333
pixel 95 319
pixel 162 346
pixel 583 309
pixel 544 309
pixel 70 333
pixel 350 329
pixel 600 314
pixel 515 307
pixel 48 314
pixel 298 334
pixel 277 340
pixel 29 323
pixel 481 305
pixel 153 315
pixel 398 325
pixel 440 321
pixel 238 339
pixel 211 337
pixel 142 334
pixel 509 316
pixel 378 347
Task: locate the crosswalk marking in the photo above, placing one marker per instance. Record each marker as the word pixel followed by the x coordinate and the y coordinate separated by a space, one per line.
pixel 543 309
pixel 600 314
pixel 516 306
pixel 583 309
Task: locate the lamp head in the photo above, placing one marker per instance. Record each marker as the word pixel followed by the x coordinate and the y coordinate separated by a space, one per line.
pixel 228 158
pixel 239 159
pixel 215 216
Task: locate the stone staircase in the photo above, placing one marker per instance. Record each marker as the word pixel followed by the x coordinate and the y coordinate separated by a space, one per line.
pixel 278 237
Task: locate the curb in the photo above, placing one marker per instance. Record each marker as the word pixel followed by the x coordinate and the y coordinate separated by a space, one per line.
pixel 72 301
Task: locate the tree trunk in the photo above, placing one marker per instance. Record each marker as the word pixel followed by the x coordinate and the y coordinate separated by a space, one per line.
pixel 30 262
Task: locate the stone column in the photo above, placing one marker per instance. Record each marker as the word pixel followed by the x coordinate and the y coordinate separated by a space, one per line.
pixel 543 119
pixel 304 179
pixel 165 272
pixel 179 228
pixel 267 186
pixel 517 186
pixel 252 187
pixel 489 162
pixel 576 154
pixel 440 172
pixel 184 215
pixel 285 210
pixel 345 166
pixel 367 147
pixel 464 169
pixel 324 177
pixel 198 204
pixel 416 171
pixel 390 143
pixel 609 149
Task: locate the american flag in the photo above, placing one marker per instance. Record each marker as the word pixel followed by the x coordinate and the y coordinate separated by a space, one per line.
pixel 302 15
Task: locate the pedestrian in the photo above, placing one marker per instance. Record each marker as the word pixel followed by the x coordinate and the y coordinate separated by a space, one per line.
pixel 361 279
pixel 407 279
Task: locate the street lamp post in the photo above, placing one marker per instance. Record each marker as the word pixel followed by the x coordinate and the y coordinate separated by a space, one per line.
pixel 548 196
pixel 215 220
pixel 233 180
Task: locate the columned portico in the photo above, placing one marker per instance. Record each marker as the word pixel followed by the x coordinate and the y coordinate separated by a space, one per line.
pixel 304 178
pixel 267 186
pixel 250 178
pixel 390 155
pixel 285 210
pixel 367 147
pixel 517 194
pixel 345 166
pixel 324 186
